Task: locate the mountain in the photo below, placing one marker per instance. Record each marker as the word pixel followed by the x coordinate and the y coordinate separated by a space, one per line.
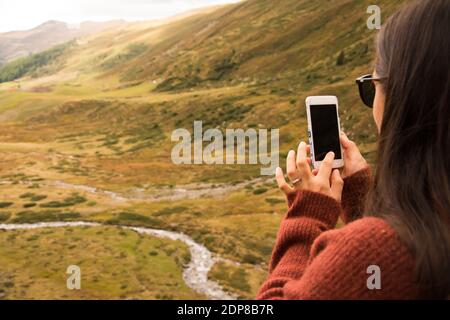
pixel 245 65
pixel 21 43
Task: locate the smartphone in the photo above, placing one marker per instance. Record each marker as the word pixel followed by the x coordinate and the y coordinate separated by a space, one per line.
pixel 324 129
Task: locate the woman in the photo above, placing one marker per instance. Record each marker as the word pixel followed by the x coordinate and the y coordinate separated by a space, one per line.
pixel 396 242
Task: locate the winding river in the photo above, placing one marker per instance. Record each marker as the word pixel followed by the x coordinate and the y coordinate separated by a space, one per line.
pixel 195 273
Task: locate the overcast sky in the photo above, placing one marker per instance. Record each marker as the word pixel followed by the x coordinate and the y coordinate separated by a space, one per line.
pixel 26 14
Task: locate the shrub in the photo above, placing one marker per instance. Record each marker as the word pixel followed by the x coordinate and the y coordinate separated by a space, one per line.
pixel 68 202
pixel 260 191
pixel 26 195
pixel 4 216
pixel 340 59
pixel 129 218
pixel 221 69
pixel 169 211
pixel 177 83
pixel 53 204
pixel 33 197
pixel 44 216
pixel 37 198
pixel 5 204
pixel 69 216
pixel 274 200
pixel 249 258
pixel 75 199
pixel 29 205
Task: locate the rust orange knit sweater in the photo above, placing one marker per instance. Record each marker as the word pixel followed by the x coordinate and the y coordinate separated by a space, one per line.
pixel 313 260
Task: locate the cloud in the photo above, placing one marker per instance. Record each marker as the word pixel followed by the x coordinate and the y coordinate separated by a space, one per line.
pixel 25 14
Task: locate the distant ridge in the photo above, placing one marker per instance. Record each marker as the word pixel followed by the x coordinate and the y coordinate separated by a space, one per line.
pixel 17 44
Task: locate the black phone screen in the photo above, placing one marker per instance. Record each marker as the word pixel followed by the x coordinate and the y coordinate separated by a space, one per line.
pixel 325 130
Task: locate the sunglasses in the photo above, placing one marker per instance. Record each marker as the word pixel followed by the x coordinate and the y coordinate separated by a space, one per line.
pixel 366 85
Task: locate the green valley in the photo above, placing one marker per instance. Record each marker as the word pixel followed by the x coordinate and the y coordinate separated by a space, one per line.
pixel 85 135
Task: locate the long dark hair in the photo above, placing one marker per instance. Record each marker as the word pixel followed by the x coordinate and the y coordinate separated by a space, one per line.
pixel 412 182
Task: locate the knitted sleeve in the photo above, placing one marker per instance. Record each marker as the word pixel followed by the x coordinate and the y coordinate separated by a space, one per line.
pixel 311 261
pixel 354 195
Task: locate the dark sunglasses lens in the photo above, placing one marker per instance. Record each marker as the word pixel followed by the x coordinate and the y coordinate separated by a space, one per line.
pixel 368 93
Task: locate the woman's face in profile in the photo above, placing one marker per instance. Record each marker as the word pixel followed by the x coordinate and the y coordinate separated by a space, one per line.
pixel 378 103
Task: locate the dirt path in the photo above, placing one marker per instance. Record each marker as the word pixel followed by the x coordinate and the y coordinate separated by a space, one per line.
pixel 190 191
pixel 195 273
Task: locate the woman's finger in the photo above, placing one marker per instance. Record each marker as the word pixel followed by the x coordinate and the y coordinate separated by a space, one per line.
pixel 326 166
pixel 346 142
pixel 337 184
pixel 315 172
pixel 302 151
pixel 309 158
pixel 291 168
pixel 302 160
pixel 281 181
pixel 308 152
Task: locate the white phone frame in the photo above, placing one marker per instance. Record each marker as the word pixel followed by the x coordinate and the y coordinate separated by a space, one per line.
pixel 322 100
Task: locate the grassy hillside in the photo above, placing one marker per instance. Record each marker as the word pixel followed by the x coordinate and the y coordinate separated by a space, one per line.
pixel 155 265
pixel 101 122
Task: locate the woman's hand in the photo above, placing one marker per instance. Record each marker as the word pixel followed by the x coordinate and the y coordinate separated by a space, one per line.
pixel 353 160
pixel 325 181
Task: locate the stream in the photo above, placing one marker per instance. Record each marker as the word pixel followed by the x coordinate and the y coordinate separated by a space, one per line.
pixel 195 274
